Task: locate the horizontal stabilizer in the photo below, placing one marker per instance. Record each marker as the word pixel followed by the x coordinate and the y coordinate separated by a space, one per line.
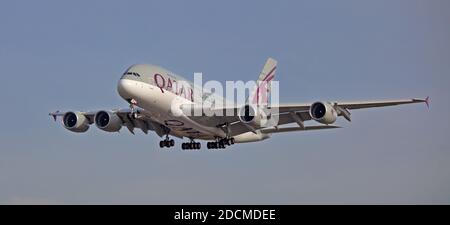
pixel 290 129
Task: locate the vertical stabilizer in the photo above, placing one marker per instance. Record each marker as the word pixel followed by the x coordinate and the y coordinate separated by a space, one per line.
pixel 260 94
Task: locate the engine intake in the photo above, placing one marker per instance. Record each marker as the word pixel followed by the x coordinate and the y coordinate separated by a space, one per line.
pixel 75 122
pixel 247 114
pixel 323 113
pixel 255 117
pixel 108 121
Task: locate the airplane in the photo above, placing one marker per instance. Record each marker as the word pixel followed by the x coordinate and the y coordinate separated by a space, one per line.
pixel 152 90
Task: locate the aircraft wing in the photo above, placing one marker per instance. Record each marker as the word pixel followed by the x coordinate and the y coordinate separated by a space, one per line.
pixel 372 104
pixel 342 108
pixel 141 121
pixel 354 104
pixel 296 113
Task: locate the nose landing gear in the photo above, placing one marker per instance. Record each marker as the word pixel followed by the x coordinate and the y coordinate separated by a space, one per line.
pixel 133 111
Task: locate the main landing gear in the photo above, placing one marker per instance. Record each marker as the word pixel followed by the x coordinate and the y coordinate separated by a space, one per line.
pixel 167 142
pixel 192 145
pixel 220 143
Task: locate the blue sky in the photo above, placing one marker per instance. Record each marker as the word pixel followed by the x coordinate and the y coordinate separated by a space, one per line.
pixel 70 55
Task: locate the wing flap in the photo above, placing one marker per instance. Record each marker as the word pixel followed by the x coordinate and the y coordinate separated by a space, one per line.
pixel 291 129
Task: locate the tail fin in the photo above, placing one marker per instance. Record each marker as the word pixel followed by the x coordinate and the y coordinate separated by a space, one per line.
pixel 260 95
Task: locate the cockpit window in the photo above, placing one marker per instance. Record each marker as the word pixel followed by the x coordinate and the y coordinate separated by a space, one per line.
pixel 132 73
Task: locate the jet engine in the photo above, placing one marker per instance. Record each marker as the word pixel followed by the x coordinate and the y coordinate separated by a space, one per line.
pixel 323 113
pixel 254 117
pixel 75 122
pixel 108 121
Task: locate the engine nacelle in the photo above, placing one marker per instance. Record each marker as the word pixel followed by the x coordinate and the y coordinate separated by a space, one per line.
pixel 108 121
pixel 75 122
pixel 323 112
pixel 254 117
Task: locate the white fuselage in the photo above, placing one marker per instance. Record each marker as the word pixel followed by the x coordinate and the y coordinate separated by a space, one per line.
pixel 157 91
pixel 158 105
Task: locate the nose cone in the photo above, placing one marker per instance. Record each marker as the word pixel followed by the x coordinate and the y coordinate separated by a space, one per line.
pixel 125 89
pixel 127 86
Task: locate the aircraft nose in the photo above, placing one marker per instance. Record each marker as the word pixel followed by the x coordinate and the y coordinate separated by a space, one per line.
pixel 124 87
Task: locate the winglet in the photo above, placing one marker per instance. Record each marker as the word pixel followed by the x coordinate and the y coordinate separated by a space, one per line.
pixel 427 101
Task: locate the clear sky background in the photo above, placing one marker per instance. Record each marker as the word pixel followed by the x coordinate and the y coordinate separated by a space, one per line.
pixel 69 55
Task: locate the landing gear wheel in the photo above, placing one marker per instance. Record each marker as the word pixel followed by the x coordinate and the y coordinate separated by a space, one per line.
pixel 192 145
pixel 167 142
pixel 221 143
